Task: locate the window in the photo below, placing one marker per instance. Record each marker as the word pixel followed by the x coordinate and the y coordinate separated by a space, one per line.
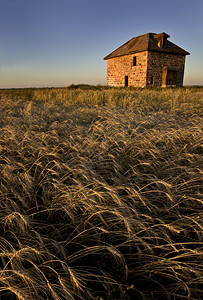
pixel 126 81
pixel 134 61
pixel 152 80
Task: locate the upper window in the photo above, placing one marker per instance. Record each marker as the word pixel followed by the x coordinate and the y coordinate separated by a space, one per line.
pixel 134 61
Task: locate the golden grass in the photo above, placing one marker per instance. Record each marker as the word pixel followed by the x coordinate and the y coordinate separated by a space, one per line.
pixel 101 193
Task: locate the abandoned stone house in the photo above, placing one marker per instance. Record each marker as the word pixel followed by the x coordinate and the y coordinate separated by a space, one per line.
pixel 148 60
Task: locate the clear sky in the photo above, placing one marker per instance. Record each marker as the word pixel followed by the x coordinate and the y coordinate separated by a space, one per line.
pixel 60 42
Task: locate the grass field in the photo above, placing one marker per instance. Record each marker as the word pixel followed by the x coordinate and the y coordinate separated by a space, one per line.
pixel 101 193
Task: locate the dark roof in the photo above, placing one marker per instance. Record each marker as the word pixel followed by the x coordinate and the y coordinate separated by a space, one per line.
pixel 147 42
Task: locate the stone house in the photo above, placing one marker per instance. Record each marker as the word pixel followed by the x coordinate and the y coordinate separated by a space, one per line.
pixel 148 60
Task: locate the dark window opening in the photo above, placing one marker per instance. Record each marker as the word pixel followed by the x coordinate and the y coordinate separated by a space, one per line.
pixel 152 80
pixel 134 61
pixel 126 81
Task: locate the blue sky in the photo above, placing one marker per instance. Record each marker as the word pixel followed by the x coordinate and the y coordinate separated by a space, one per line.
pixel 60 42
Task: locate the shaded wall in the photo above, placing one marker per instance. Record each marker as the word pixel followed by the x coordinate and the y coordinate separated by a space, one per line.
pixel 159 63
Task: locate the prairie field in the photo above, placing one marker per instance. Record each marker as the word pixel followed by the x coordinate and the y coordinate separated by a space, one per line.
pixel 101 193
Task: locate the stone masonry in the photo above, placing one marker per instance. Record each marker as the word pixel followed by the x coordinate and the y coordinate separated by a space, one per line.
pixel 159 63
pixel 119 67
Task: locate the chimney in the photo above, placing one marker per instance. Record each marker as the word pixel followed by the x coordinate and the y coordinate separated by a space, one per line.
pixel 161 39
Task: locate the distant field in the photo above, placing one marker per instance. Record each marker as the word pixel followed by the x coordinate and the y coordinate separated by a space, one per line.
pixel 101 193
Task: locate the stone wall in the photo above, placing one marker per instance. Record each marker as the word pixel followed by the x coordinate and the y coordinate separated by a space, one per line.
pixel 150 70
pixel 119 67
pixel 157 62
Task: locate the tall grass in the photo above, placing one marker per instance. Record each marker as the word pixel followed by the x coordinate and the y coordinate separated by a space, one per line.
pixel 101 194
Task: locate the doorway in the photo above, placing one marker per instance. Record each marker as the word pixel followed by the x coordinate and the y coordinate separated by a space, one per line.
pixel 169 77
pixel 126 81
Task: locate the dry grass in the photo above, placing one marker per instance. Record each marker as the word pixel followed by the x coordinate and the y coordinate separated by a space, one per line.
pixel 101 194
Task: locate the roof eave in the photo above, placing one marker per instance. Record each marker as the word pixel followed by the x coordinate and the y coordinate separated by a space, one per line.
pixel 114 56
pixel 159 51
pixel 183 52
